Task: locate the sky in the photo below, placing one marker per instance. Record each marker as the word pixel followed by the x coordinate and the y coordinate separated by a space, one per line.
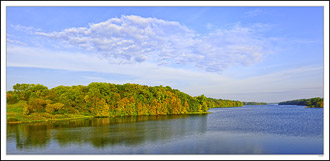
pixel 264 54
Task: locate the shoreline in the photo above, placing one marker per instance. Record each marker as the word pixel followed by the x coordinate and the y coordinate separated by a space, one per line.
pixel 92 117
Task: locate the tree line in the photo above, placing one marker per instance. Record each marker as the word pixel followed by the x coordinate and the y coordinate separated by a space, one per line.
pixel 254 103
pixel 109 100
pixel 311 102
pixel 216 103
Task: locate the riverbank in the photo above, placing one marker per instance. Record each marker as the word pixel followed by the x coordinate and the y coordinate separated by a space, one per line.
pixel 15 115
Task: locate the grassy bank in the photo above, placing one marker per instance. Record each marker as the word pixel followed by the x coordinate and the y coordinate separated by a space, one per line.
pixel 15 115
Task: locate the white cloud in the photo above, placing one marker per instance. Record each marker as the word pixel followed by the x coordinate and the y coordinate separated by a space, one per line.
pixel 131 39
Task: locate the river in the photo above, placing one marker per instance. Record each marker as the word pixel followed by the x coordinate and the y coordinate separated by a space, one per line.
pixel 254 129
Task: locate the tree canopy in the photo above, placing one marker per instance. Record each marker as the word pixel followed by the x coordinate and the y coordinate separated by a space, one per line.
pixel 109 100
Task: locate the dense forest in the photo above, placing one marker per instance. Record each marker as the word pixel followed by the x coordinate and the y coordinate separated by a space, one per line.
pixel 311 102
pixel 254 103
pixel 104 100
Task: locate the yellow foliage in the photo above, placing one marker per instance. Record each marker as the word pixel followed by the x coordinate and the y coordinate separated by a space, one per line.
pixel 51 108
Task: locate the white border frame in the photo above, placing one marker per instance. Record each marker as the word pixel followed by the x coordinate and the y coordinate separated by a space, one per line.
pixel 4 4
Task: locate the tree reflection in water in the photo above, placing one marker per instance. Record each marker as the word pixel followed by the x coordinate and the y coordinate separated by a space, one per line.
pixel 103 132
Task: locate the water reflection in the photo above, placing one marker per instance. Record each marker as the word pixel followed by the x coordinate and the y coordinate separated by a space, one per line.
pixel 244 130
pixel 27 136
pixel 103 132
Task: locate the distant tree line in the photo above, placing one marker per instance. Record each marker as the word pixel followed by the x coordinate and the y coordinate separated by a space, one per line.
pixel 254 103
pixel 108 100
pixel 311 102
pixel 216 103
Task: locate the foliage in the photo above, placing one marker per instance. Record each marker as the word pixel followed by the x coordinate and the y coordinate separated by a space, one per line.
pixel 311 102
pixel 109 100
pixel 52 108
pixel 212 103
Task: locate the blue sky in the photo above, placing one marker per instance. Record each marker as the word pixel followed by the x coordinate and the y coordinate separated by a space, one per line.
pixel 265 54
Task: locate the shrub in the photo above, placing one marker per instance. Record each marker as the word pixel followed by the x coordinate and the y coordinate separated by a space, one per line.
pixel 26 109
pixel 51 108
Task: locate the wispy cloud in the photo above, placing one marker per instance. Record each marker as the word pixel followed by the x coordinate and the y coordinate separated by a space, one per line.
pixel 10 41
pixel 135 39
pixel 209 26
pixel 28 29
pixel 293 83
pixel 254 12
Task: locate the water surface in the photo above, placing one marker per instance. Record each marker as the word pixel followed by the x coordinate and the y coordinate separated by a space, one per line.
pixel 260 129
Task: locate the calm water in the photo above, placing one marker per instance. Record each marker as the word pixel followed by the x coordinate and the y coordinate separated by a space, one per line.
pixel 265 129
